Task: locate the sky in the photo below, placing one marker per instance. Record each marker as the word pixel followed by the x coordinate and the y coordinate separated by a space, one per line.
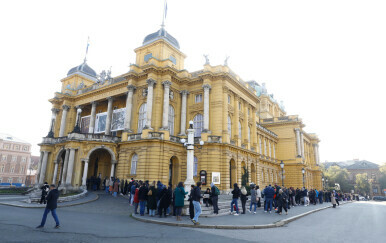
pixel 325 59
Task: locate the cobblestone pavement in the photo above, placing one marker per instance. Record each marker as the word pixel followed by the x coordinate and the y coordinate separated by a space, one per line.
pixel 108 219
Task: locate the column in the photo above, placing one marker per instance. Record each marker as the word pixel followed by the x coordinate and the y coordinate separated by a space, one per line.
pixel 52 124
pixel 63 121
pixel 39 167
pixel 92 118
pixel 149 105
pixel 65 165
pixel 302 144
pixel 207 88
pixel 43 168
pixel 165 110
pixel 85 170
pixel 254 130
pixel 299 151
pixel 70 168
pixel 184 94
pixel 235 121
pixel 109 115
pixel 112 172
pixel 129 107
pixel 189 160
pixel 245 124
pixel 55 172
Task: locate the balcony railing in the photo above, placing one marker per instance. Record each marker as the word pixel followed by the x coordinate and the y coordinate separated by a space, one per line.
pixel 82 137
pixel 157 135
pixel 175 139
pixel 134 136
pixel 214 139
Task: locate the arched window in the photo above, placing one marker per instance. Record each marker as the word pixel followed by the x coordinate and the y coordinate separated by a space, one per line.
pixel 142 117
pixel 134 161
pixel 198 124
pixel 249 133
pixel 240 130
pixel 171 120
pixel 229 126
pixel 195 166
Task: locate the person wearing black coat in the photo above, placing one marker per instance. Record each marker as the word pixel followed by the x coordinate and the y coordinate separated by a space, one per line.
pixel 52 204
pixel 282 201
pixel 44 189
pixel 236 194
pixel 165 200
pixel 191 206
pixel 142 197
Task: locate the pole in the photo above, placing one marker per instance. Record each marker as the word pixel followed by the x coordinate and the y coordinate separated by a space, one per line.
pixel 303 180
pixel 282 178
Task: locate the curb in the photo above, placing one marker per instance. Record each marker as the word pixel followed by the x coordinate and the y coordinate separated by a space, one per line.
pixel 261 226
pixel 59 206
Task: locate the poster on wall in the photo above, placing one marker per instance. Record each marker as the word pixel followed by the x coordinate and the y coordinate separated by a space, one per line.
pixel 85 124
pixel 216 177
pixel 100 122
pixel 118 121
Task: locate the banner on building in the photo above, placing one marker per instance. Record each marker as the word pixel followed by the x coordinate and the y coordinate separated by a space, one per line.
pixel 85 124
pixel 118 121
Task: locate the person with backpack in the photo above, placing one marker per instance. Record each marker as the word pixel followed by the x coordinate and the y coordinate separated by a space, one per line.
pixel 151 199
pixel 282 201
pixel 243 198
pixel 215 192
pixel 179 195
pixel 236 194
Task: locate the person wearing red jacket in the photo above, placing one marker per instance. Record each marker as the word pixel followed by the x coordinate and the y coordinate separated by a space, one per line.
pixel 136 200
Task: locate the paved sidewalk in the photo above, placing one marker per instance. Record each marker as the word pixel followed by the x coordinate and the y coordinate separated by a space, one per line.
pixel 242 221
pixel 16 201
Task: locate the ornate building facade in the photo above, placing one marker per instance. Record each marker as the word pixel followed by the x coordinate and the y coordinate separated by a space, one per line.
pixel 132 125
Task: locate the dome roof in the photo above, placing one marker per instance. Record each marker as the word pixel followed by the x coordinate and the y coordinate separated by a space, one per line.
pixel 83 68
pixel 161 34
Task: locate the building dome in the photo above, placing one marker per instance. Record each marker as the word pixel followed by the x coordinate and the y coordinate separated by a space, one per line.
pixel 84 69
pixel 161 34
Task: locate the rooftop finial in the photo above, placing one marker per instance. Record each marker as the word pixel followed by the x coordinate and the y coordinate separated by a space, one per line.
pixel 164 14
pixel 88 43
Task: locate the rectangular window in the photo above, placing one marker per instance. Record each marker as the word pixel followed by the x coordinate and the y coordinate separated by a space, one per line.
pixel 148 56
pixel 25 148
pixel 20 180
pixel 239 105
pixel 2 167
pixel 85 124
pixel 100 122
pixel 6 146
pixel 229 99
pixel 14 158
pixel 4 158
pixel 23 159
pixel 13 169
pixel 16 147
pixel 173 59
pixel 9 180
pixel 22 169
pixel 198 98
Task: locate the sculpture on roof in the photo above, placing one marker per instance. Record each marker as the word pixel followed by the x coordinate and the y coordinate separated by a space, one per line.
pixel 264 89
pixel 226 61
pixel 206 59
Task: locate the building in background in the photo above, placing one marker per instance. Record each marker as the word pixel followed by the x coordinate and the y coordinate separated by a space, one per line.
pixel 15 157
pixel 32 170
pixel 130 126
pixel 357 166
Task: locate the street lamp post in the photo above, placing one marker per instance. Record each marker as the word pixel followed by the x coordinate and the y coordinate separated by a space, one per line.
pixel 282 171
pixel 303 171
pixel 189 145
pixel 323 182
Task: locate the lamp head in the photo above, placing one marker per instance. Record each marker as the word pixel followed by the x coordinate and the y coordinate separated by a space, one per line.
pixel 201 142
pixel 303 170
pixel 190 124
pixel 79 110
pixel 282 164
pixel 183 140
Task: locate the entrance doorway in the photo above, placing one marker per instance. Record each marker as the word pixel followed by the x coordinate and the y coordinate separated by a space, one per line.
pixel 99 166
pixel 174 171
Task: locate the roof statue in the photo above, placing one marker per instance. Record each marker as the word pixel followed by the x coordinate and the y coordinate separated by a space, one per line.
pixel 206 56
pixel 264 89
pixel 226 61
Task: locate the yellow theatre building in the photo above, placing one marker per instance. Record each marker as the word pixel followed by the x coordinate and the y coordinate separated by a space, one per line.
pixel 131 126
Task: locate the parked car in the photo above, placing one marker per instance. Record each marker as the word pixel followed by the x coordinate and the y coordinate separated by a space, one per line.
pixel 362 198
pixel 379 198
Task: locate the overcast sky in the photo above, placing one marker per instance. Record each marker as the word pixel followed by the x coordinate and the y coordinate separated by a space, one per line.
pixel 325 59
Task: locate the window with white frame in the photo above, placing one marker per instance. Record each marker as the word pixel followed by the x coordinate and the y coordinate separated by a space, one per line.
pixel 141 118
pixel 198 124
pixel 14 158
pixel 198 98
pixel 22 169
pixel 13 169
pixel 24 159
pixel 229 126
pixel 171 120
pixel 2 168
pixel 9 180
pixel 195 166
pixel 240 130
pixel 6 146
pixel 134 162
pixel 16 147
pixel 25 148
pixel 20 180
pixel 4 158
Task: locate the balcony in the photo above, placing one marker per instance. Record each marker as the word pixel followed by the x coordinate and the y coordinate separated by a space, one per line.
pixel 156 135
pixel 134 136
pixel 214 139
pixel 82 137
pixel 175 139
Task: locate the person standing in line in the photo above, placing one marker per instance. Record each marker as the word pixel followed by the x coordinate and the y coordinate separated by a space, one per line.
pixel 111 184
pixel 151 199
pixel 253 199
pixel 107 183
pixel 134 186
pixel 197 202
pixel 268 192
pixel 135 199
pixel 142 197
pixel 258 196
pixel 45 189
pixel 282 202
pixel 333 200
pixel 191 206
pixel 116 188
pixel 243 198
pixel 179 195
pixel 236 194
pixel 215 192
pixel 52 204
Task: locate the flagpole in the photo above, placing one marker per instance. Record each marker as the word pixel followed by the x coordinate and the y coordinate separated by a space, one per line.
pixel 163 15
pixel 88 43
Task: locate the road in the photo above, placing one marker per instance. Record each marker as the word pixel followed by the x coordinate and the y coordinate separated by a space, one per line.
pixel 108 219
